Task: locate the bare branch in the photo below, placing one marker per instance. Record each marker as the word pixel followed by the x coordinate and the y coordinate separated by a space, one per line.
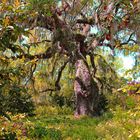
pixel 129 39
pixel 32 69
pixel 90 21
pixel 57 85
pixel 36 43
pixel 60 74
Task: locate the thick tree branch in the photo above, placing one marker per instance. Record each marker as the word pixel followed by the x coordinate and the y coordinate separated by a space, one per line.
pixel 46 55
pixel 90 21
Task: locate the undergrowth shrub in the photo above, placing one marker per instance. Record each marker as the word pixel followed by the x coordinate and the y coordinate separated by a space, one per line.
pixel 102 105
pixel 125 124
pixel 15 129
pixel 61 100
pixel 17 100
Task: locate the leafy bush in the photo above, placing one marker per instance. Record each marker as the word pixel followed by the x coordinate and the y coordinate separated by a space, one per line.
pixel 62 100
pixel 17 100
pixel 15 129
pixel 102 105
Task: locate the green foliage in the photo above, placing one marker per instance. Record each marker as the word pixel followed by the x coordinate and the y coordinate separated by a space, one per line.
pixel 102 105
pixel 9 136
pixel 15 129
pixel 16 101
pixel 13 95
pixel 44 4
pixel 61 100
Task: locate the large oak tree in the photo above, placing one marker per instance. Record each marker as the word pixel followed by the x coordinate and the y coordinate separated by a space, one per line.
pixel 72 25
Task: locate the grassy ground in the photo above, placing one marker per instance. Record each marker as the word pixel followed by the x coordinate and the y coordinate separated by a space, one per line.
pixel 114 125
pixel 67 127
pixel 52 123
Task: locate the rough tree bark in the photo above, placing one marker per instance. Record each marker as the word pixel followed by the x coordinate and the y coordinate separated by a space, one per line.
pixel 86 90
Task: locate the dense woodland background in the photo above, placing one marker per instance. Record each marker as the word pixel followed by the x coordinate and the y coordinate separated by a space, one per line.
pixel 62 73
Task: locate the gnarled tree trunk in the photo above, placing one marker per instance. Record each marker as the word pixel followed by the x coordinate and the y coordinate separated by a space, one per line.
pixel 86 90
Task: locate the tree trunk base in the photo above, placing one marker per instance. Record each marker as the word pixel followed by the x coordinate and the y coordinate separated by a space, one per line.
pixel 86 91
pixel 84 107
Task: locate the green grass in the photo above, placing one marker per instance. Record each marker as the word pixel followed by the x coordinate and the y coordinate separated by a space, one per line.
pixel 116 125
pixel 70 127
